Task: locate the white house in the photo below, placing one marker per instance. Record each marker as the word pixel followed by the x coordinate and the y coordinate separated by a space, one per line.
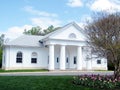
pixel 63 49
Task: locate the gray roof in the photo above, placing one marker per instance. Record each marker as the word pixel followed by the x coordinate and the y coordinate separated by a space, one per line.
pixel 33 40
pixel 26 40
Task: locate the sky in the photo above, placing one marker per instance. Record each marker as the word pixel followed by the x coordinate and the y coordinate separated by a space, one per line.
pixel 17 15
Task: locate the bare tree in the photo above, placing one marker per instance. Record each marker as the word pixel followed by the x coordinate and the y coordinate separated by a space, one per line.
pixel 104 34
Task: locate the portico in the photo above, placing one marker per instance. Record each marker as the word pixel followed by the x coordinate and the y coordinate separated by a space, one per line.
pixel 64 58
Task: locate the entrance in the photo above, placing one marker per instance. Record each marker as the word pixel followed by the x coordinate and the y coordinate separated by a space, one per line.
pixel 67 62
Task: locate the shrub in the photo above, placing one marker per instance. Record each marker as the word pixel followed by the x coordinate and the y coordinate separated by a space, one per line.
pixel 97 81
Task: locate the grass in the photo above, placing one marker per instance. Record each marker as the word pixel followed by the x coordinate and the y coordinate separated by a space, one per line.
pixel 39 83
pixel 26 70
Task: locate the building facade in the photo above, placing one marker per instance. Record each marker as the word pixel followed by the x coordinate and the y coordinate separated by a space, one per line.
pixel 63 49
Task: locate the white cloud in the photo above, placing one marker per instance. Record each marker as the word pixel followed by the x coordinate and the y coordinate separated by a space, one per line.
pixel 31 10
pixel 44 22
pixel 75 3
pixel 43 19
pixel 15 31
pixel 105 5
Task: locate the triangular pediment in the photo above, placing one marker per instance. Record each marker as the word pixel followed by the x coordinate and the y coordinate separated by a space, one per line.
pixel 69 32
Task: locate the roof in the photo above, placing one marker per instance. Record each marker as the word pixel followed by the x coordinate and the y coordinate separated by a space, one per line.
pixel 63 28
pixel 33 40
pixel 26 40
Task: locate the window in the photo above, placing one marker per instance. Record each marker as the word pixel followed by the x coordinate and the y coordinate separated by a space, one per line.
pixel 57 59
pixel 34 57
pixel 19 57
pixel 4 59
pixel 98 61
pixel 67 60
pixel 75 59
pixel 72 35
pixel 48 59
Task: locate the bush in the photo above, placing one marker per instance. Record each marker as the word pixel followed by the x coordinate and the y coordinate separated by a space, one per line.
pixel 97 81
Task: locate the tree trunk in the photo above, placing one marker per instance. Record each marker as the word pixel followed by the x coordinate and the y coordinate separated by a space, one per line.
pixel 117 71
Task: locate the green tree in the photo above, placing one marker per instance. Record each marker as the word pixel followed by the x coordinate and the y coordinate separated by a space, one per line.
pixel 2 40
pixel 104 34
pixel 33 31
pixel 38 31
pixel 50 29
pixel 1 47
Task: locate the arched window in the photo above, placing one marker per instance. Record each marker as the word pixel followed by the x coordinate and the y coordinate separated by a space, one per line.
pixel 19 57
pixel 72 35
pixel 34 57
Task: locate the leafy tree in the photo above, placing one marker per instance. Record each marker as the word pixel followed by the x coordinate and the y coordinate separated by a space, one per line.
pixel 104 34
pixel 50 29
pixel 33 31
pixel 38 31
pixel 2 40
pixel 1 47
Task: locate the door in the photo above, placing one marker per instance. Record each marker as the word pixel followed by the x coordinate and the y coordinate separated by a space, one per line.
pixel 57 61
pixel 67 62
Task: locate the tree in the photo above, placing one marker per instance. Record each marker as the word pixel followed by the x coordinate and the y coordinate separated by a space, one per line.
pixel 1 47
pixel 104 34
pixel 38 31
pixel 2 40
pixel 50 29
pixel 33 31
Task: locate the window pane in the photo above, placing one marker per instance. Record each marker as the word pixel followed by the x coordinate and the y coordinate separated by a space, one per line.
pixel 19 57
pixel 75 60
pixel 98 61
pixel 34 60
pixel 72 35
pixel 57 59
pixel 67 60
pixel 19 54
pixel 34 57
pixel 19 60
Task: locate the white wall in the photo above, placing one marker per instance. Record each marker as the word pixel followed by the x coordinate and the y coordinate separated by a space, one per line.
pixel 102 66
pixel 42 61
pixel 9 58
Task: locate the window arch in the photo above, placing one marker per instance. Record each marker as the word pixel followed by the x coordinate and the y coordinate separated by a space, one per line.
pixel 72 35
pixel 19 57
pixel 34 57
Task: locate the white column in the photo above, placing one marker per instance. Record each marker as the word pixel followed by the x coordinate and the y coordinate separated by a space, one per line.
pixel 89 65
pixel 51 57
pixel 62 57
pixel 79 58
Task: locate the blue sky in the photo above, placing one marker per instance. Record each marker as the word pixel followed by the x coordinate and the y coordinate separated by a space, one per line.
pixel 17 15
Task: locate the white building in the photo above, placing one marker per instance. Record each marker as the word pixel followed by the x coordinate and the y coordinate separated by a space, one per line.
pixel 63 49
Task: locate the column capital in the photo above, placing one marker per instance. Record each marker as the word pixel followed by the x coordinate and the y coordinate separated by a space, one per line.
pixel 79 46
pixel 62 45
pixel 51 44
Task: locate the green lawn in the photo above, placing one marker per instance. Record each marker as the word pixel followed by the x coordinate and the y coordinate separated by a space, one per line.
pixel 26 70
pixel 39 83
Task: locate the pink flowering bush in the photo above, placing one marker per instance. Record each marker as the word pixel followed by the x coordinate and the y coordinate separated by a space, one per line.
pixel 97 81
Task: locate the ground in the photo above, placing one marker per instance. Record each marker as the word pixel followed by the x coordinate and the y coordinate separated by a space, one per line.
pixel 39 83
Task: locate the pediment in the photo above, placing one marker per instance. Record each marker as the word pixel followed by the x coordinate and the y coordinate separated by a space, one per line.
pixel 70 32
